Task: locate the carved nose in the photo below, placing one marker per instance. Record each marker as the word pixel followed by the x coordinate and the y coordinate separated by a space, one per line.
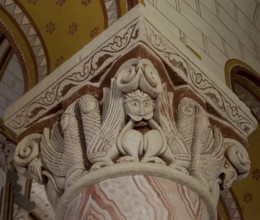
pixel 141 111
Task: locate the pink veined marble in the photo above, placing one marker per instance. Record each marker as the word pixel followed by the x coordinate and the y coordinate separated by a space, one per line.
pixel 137 198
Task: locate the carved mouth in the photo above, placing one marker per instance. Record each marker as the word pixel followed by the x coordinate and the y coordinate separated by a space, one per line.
pixel 141 117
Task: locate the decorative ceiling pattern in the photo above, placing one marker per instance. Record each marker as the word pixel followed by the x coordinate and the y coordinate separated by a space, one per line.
pixel 65 26
pixel 26 26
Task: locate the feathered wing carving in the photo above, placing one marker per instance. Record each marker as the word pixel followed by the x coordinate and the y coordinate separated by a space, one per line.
pixel 201 140
pixel 63 155
pixel 211 160
pixel 176 146
pixel 207 153
pixel 51 154
pixel 102 148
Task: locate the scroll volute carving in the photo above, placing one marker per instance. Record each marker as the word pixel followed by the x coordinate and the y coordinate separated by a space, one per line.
pixel 138 120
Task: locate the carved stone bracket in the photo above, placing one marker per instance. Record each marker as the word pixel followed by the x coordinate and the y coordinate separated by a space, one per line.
pixel 135 106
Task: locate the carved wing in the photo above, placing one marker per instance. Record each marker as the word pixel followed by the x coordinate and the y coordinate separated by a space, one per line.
pixel 108 132
pixel 212 156
pixel 52 150
pixel 63 154
pixel 167 121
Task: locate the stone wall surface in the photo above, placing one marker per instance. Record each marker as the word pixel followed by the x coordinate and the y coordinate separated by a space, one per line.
pixel 217 30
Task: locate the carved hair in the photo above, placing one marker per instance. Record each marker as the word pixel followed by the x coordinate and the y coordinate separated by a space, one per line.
pixel 136 93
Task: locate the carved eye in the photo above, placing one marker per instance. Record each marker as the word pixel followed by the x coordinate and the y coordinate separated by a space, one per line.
pixel 146 103
pixel 135 104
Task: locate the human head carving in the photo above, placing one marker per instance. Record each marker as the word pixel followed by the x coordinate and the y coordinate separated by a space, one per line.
pixel 189 107
pixel 138 105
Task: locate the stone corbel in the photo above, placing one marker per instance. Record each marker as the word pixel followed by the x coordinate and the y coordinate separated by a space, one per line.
pixel 134 114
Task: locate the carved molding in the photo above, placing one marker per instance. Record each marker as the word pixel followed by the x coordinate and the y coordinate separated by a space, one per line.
pixel 109 47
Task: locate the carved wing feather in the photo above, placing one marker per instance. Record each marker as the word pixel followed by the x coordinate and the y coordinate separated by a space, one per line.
pixel 168 125
pixel 61 154
pixel 73 156
pixel 212 156
pixel 107 134
pixel 51 158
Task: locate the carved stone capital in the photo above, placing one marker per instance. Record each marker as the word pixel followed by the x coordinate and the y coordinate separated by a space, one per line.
pixel 137 106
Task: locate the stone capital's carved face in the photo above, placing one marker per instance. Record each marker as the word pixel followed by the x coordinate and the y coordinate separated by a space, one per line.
pixel 139 106
pixel 187 107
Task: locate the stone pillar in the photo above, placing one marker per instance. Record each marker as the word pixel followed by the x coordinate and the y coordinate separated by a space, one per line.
pixel 132 127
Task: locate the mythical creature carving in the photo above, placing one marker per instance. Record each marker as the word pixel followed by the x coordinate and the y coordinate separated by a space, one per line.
pixel 101 135
pixel 140 86
pixel 137 123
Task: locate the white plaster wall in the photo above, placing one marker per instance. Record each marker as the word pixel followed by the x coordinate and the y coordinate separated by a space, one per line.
pixel 218 30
